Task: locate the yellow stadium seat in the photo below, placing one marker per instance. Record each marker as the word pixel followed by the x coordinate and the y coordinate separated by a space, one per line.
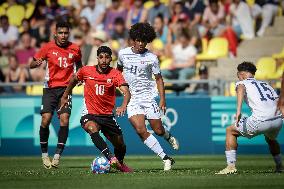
pixel 233 89
pixel 250 2
pixel 158 44
pixel 204 43
pixel 2 11
pixel 29 10
pixel 16 13
pixel 279 55
pixel 5 5
pixel 115 45
pixel 78 90
pixel 64 3
pixel 266 68
pixel 217 48
pixel 166 2
pixel 148 4
pixel 165 63
pixel 34 90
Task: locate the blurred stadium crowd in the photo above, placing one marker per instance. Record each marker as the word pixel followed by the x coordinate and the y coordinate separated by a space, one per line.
pixel 188 31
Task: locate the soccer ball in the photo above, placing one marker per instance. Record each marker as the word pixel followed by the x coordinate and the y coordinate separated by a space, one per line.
pixel 100 165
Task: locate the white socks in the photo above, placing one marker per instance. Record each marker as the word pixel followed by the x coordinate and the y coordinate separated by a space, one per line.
pixel 231 156
pixel 155 146
pixel 277 159
pixel 56 156
pixel 166 135
pixel 44 154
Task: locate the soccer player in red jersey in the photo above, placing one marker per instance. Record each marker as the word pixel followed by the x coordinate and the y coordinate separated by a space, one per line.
pixel 62 59
pixel 99 101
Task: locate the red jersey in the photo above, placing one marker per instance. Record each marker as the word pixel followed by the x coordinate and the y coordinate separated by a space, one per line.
pixel 99 89
pixel 61 63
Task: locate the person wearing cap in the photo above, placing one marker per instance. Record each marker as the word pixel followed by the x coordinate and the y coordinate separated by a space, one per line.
pixel 99 39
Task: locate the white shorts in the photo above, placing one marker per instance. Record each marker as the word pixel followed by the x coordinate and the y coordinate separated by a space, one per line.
pixel 250 127
pixel 150 109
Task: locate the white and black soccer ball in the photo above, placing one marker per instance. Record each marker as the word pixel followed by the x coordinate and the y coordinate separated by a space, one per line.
pixel 100 165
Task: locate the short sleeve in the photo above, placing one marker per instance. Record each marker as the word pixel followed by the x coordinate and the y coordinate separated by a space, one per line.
pixel 156 67
pixel 42 53
pixel 119 80
pixel 80 74
pixel 239 83
pixel 119 60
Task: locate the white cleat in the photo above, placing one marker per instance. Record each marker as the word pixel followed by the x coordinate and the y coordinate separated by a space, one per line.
pixel 46 162
pixel 55 163
pixel 174 143
pixel 230 169
pixel 168 164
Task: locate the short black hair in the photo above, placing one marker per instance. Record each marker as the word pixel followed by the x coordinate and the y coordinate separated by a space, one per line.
pixel 119 21
pixel 62 24
pixel 104 49
pixel 4 17
pixel 142 31
pixel 247 67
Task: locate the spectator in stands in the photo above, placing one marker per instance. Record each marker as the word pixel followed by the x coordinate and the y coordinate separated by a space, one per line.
pixel 213 19
pixel 99 39
pixel 161 28
pixel 183 25
pixel 4 59
pixel 202 88
pixel 8 33
pixel 267 9
pixel 85 28
pixel 25 50
pixel 119 32
pixel 15 74
pixel 183 56
pixel 159 9
pixel 115 11
pixel 55 11
pixel 196 9
pixel 137 13
pixel 178 8
pixel 241 19
pixel 94 13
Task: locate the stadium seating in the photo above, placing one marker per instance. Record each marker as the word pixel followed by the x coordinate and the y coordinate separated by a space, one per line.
pixel 2 10
pixel 16 13
pixel 266 68
pixel 34 90
pixel 204 43
pixel 250 2
pixel 217 48
pixel 64 3
pixel 148 4
pixel 78 90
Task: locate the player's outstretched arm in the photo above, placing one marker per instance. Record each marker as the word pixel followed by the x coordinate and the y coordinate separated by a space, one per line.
pixel 36 63
pixel 64 99
pixel 161 90
pixel 240 97
pixel 120 111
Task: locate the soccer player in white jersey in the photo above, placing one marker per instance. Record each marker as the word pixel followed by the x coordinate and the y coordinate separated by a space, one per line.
pixel 138 65
pixel 265 118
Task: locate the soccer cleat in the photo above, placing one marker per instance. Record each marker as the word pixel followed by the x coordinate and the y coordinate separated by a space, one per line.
pixel 114 163
pixel 174 143
pixel 46 162
pixel 230 169
pixel 55 162
pixel 279 169
pixel 168 162
pixel 125 169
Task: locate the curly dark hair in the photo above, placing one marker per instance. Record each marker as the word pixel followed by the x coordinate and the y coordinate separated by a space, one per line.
pixel 104 49
pixel 142 31
pixel 247 67
pixel 62 24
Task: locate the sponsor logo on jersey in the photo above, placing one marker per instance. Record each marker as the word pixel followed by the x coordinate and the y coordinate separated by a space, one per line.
pixel 55 53
pixel 108 80
pixel 91 78
pixel 70 55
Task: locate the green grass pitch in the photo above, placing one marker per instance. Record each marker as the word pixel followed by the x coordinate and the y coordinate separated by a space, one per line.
pixel 188 172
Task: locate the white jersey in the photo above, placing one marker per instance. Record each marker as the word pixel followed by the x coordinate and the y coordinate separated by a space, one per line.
pixel 138 70
pixel 260 97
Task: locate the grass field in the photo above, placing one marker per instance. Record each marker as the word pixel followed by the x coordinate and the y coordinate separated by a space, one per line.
pixel 188 172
